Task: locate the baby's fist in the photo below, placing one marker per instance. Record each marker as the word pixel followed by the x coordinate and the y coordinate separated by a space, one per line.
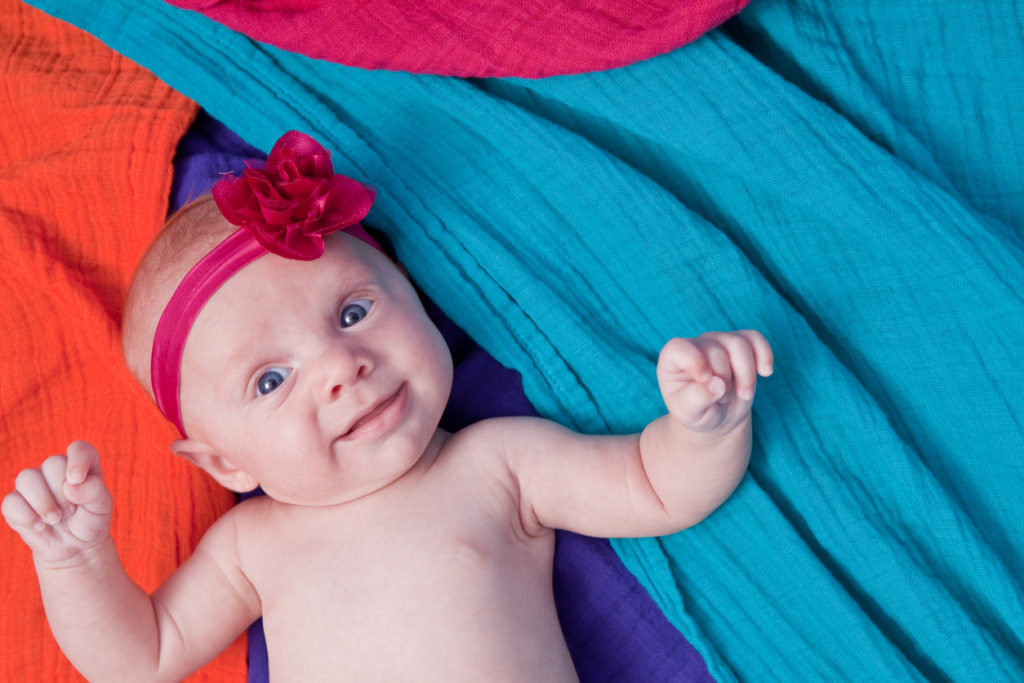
pixel 708 382
pixel 62 507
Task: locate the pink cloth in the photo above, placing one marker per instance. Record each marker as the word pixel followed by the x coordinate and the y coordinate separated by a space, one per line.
pixel 473 38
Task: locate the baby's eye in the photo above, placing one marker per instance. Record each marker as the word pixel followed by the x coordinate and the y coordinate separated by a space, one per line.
pixel 354 312
pixel 271 379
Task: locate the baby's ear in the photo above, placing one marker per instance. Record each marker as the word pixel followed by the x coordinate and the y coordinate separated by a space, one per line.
pixel 223 470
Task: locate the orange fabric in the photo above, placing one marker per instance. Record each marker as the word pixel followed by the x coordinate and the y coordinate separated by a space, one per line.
pixel 86 143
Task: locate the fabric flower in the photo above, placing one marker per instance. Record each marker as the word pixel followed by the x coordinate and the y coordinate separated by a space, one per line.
pixel 294 199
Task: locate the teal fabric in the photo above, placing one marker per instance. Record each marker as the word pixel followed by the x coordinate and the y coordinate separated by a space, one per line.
pixel 845 176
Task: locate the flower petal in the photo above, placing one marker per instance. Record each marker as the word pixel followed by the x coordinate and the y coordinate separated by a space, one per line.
pixel 294 199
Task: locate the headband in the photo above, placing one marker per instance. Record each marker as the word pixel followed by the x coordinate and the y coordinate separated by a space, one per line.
pixel 285 207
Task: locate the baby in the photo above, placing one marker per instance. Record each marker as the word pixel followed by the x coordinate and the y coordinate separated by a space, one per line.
pixel 293 355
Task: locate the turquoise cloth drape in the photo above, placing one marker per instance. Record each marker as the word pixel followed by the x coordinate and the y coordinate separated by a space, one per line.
pixel 845 176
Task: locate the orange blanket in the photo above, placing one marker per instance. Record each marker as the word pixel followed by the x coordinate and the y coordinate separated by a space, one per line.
pixel 86 143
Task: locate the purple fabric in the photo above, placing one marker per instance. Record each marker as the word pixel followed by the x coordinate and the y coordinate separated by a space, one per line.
pixel 614 630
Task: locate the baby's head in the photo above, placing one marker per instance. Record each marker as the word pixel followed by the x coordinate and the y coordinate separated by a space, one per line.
pixel 319 377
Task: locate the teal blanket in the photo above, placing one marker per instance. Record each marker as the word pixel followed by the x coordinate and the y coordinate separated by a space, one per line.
pixel 845 176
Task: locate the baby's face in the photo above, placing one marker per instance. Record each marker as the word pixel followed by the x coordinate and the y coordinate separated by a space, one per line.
pixel 323 380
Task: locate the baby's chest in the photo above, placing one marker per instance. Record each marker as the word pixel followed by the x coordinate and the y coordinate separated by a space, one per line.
pixel 383 561
pixel 359 593
pixel 401 560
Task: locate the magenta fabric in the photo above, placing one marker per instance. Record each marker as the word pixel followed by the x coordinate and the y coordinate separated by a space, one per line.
pixel 473 38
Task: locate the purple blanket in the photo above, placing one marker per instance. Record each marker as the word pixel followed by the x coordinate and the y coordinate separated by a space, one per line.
pixel 614 630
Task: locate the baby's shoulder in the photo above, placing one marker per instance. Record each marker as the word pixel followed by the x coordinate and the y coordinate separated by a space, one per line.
pixel 245 520
pixel 480 437
pixel 496 440
pixel 250 529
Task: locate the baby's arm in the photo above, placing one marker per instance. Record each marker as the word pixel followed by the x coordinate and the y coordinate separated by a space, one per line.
pixel 683 465
pixel 708 385
pixel 107 625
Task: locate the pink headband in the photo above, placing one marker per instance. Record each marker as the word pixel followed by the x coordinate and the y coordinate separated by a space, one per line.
pixel 286 208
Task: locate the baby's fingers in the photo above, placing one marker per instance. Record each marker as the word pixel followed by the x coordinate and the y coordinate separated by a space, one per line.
pixel 19 515
pixel 763 355
pixel 742 362
pixel 690 403
pixel 83 460
pixel 39 489
pixel 84 482
pixel 683 360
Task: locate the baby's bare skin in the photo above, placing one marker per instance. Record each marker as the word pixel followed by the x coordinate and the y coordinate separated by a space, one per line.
pixel 385 549
pixel 435 578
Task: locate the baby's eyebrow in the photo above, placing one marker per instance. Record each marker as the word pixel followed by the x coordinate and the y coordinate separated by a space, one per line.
pixel 239 364
pixel 349 282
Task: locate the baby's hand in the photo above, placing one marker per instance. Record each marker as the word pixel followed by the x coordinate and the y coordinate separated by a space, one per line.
pixel 708 382
pixel 63 507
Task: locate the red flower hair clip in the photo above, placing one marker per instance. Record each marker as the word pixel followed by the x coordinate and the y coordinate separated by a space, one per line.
pixel 294 199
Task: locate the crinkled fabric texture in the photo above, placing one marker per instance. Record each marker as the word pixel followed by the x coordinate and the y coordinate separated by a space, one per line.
pixel 85 170
pixel 846 177
pixel 525 38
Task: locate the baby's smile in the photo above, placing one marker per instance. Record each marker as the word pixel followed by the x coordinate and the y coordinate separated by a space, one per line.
pixel 380 417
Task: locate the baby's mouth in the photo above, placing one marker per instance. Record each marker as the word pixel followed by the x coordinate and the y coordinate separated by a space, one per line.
pixel 381 412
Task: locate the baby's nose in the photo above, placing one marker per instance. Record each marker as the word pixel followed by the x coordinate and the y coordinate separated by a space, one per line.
pixel 343 368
